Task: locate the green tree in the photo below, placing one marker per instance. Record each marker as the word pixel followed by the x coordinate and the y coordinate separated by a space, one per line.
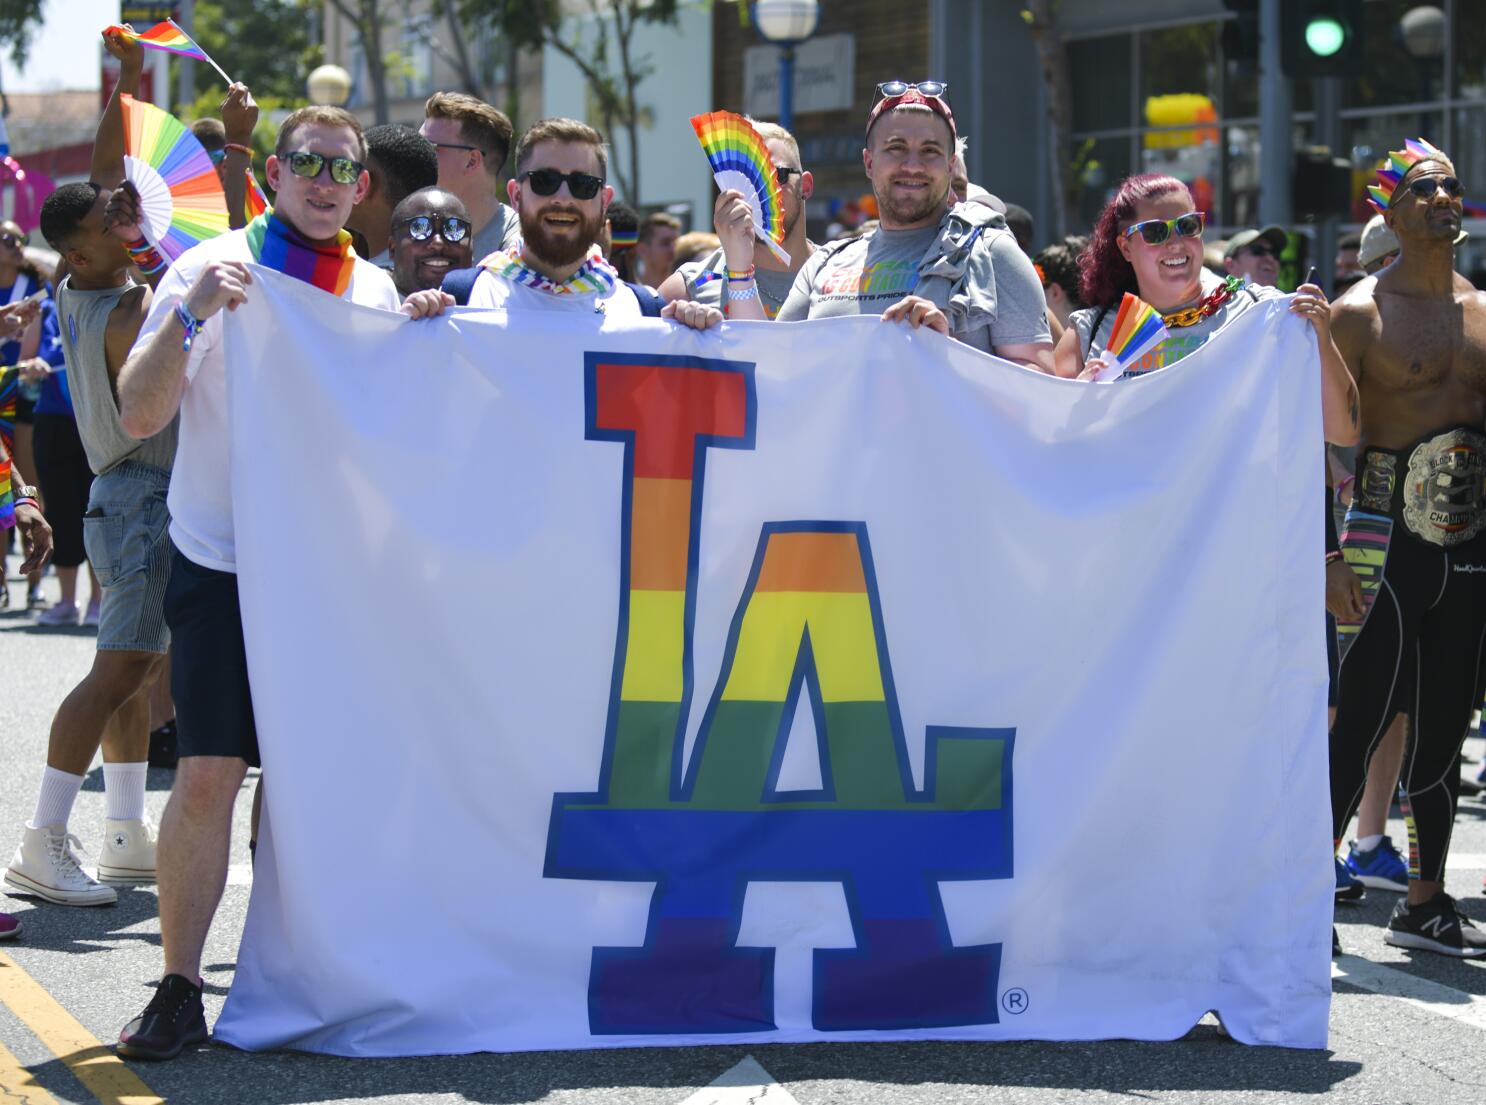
pixel 600 42
pixel 266 44
pixel 19 19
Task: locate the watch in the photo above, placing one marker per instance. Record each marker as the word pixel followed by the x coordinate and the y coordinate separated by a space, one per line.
pixel 24 491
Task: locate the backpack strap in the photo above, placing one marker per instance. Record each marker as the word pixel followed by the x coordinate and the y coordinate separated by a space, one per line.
pixel 460 283
pixel 1094 330
pixel 650 303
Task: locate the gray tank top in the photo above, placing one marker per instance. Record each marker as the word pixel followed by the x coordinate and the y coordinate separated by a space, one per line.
pixel 82 319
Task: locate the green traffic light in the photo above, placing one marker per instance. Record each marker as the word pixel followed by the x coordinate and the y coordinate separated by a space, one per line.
pixel 1325 36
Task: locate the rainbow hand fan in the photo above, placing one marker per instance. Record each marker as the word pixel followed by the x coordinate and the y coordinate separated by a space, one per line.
pixel 740 161
pixel 1138 329
pixel 180 197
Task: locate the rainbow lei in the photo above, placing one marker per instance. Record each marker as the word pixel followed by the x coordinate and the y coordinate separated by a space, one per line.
pixel 595 275
pixel 276 246
pixel 1399 162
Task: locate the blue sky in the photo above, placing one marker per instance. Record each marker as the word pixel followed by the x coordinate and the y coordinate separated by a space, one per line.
pixel 64 55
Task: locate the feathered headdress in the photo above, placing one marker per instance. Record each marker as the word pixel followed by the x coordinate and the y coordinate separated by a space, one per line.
pixel 1399 162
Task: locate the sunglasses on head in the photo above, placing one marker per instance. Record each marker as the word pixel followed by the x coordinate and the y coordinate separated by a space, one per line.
pixel 546 182
pixel 1424 186
pixel 888 89
pixel 451 228
pixel 343 170
pixel 1155 231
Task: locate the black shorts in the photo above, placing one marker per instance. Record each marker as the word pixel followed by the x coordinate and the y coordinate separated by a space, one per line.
pixel 65 479
pixel 209 664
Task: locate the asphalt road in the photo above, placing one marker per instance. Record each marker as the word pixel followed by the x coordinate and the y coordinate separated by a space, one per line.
pixel 1403 1028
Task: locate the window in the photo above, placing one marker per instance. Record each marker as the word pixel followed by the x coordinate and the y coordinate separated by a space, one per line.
pixel 1100 71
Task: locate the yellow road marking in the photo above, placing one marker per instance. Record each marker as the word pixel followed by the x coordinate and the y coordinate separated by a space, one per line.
pixel 96 1067
pixel 17 1085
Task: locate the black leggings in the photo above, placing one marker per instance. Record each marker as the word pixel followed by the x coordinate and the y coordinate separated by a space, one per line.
pixel 1419 651
pixel 65 479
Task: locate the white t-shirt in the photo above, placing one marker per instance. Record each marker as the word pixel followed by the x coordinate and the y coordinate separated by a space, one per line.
pixel 495 291
pixel 201 482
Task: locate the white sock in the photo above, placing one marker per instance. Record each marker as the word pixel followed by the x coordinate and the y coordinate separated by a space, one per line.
pixel 123 790
pixel 58 793
pixel 1368 843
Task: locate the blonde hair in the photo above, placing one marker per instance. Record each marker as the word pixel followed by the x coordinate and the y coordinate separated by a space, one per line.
pixel 773 132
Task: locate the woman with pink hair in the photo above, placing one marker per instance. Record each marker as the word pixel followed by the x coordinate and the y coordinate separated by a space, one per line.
pixel 1148 241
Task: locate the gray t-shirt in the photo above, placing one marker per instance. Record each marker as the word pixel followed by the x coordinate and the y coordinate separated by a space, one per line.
pixel 503 231
pixel 773 287
pixel 867 275
pixel 1184 341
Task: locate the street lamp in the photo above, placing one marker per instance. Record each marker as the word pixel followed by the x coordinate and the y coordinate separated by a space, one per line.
pixel 786 23
pixel 329 84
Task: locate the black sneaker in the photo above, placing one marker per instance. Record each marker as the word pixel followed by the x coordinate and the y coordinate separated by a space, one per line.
pixel 1336 943
pixel 172 1021
pixel 1435 926
pixel 162 746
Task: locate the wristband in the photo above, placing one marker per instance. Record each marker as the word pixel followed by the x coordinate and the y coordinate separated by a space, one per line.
pixel 1334 554
pixel 738 295
pixel 239 148
pixel 26 500
pixel 741 277
pixel 145 257
pixel 189 323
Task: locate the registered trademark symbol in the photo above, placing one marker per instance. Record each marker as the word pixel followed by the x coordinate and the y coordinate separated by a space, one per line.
pixel 1015 1001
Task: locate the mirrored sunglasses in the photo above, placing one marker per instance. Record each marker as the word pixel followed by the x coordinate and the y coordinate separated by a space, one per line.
pixel 343 170
pixel 1155 231
pixel 451 228
pixel 546 182
pixel 888 89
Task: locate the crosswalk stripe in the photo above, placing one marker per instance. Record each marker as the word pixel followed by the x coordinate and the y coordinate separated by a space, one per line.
pixel 18 1085
pixel 96 1067
pixel 743 1084
pixel 1422 993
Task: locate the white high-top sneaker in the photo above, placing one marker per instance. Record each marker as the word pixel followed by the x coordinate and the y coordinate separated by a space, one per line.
pixel 128 852
pixel 46 865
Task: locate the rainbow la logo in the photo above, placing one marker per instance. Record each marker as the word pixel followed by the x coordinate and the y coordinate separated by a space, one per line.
pixel 809 622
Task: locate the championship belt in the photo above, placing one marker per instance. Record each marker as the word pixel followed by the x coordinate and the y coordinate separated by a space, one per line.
pixel 1444 489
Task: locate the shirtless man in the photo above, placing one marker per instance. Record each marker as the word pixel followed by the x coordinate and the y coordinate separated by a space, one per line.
pixel 1415 339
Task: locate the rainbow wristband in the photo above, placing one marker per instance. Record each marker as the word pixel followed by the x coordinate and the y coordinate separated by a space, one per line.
pixel 145 257
pixel 741 277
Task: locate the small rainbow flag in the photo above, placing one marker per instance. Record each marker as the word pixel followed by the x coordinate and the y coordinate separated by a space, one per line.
pixel 741 161
pixel 7 502
pixel 1138 329
pixel 254 200
pixel 171 39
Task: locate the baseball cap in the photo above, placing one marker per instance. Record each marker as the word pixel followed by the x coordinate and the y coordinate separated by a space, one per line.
pixel 935 104
pixel 1377 241
pixel 1272 236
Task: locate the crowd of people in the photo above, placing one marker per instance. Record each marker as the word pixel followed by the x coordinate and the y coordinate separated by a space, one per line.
pixel 121 356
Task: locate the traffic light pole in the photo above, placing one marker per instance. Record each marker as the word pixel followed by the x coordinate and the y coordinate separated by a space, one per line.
pixel 1327 98
pixel 1276 141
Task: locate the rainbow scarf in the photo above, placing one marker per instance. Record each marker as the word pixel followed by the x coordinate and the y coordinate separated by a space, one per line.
pixel 276 246
pixel 7 502
pixel 595 275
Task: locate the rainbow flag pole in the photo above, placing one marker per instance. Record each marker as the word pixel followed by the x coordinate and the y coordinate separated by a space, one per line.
pixel 171 39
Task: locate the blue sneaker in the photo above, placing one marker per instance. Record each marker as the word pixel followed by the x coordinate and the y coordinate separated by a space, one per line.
pixel 1382 868
pixel 1348 889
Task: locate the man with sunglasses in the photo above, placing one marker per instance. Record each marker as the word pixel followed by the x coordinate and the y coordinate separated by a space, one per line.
pixel 473 141
pixel 955 268
pixel 178 365
pixel 1415 535
pixel 431 237
pixel 399 161
pixel 704 281
pixel 561 198
pixel 1255 255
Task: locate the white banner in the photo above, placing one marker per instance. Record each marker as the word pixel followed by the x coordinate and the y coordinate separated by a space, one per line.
pixel 620 685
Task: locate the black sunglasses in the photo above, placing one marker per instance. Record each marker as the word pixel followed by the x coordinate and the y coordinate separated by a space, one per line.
pixel 10 240
pixel 1258 250
pixel 343 170
pixel 888 89
pixel 1155 231
pixel 784 172
pixel 546 182
pixel 451 228
pixel 1424 186
pixel 454 146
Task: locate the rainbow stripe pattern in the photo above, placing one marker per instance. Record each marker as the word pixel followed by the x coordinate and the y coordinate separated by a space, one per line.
pixel 255 201
pixel 166 37
pixel 275 246
pixel 808 634
pixel 1399 162
pixel 180 195
pixel 7 497
pixel 1364 539
pixel 1138 329
pixel 741 161
pixel 10 391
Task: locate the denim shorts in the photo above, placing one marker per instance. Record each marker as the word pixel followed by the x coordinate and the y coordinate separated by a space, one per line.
pixel 124 532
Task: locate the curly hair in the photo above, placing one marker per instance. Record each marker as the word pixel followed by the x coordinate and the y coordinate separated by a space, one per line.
pixel 1059 263
pixel 1106 274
